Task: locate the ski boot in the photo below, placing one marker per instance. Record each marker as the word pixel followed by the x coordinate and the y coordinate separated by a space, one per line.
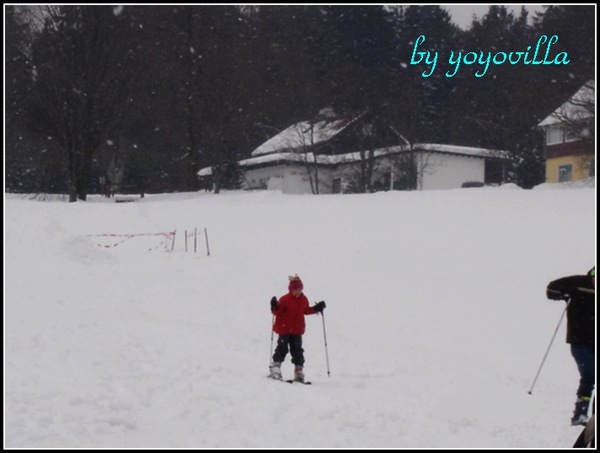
pixel 275 371
pixel 580 414
pixel 298 374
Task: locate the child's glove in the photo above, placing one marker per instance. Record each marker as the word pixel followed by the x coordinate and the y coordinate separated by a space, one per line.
pixel 273 303
pixel 320 306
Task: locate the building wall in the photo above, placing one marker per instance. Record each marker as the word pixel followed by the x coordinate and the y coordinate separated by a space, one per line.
pixel 296 181
pixel 567 157
pixel 449 171
pixel 557 169
pixel 292 179
pixel 260 177
pixel 438 171
pixel 573 148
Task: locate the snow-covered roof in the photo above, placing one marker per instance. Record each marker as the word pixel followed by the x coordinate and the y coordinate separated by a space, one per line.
pixel 576 108
pixel 291 144
pixel 306 133
pixel 285 157
pixel 462 150
pixel 206 171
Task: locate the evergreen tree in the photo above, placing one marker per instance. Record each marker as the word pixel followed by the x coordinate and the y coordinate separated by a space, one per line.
pixel 148 95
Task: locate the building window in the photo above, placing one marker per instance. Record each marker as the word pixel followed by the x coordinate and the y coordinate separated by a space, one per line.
pixel 592 167
pixel 554 135
pixel 571 135
pixel 565 173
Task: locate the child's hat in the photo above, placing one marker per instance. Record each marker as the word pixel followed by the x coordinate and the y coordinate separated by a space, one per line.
pixel 295 283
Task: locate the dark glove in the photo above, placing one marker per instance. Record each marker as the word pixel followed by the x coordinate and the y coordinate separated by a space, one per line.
pixel 273 303
pixel 320 306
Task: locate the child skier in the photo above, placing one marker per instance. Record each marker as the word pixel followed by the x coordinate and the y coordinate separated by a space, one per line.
pixel 289 324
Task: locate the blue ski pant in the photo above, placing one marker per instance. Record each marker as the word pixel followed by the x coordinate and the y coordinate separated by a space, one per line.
pixel 585 359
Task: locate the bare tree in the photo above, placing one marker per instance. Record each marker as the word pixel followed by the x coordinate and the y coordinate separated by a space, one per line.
pixel 409 166
pixel 309 156
pixel 578 115
pixel 398 166
pixel 222 98
pixel 192 116
pixel 299 139
pixel 83 72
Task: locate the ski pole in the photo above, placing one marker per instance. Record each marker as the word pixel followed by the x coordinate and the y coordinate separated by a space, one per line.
pixel 325 339
pixel 548 349
pixel 271 354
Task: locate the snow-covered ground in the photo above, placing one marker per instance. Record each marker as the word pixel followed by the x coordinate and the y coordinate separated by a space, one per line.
pixel 435 327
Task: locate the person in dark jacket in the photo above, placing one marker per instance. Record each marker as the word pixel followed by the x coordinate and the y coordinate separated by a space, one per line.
pixel 289 324
pixel 579 293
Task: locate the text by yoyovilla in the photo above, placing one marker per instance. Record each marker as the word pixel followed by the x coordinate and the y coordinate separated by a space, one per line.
pixel 539 54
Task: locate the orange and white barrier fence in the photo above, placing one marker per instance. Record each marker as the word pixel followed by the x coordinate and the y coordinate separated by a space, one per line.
pixel 167 239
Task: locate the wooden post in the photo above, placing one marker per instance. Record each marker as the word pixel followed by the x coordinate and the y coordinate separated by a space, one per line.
pixel 207 248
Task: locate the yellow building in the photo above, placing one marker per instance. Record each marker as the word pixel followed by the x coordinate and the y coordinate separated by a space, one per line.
pixel 570 138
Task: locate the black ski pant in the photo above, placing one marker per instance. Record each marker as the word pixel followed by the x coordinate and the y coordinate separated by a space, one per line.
pixel 293 343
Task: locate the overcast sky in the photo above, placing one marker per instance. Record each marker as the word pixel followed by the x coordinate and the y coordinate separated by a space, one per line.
pixel 462 15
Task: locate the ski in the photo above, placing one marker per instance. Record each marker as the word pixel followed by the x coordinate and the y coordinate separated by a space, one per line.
pixel 291 381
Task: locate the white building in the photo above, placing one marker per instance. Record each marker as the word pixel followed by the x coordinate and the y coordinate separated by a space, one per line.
pixel 309 157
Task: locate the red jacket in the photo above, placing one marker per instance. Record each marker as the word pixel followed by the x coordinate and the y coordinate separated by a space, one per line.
pixel 289 314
